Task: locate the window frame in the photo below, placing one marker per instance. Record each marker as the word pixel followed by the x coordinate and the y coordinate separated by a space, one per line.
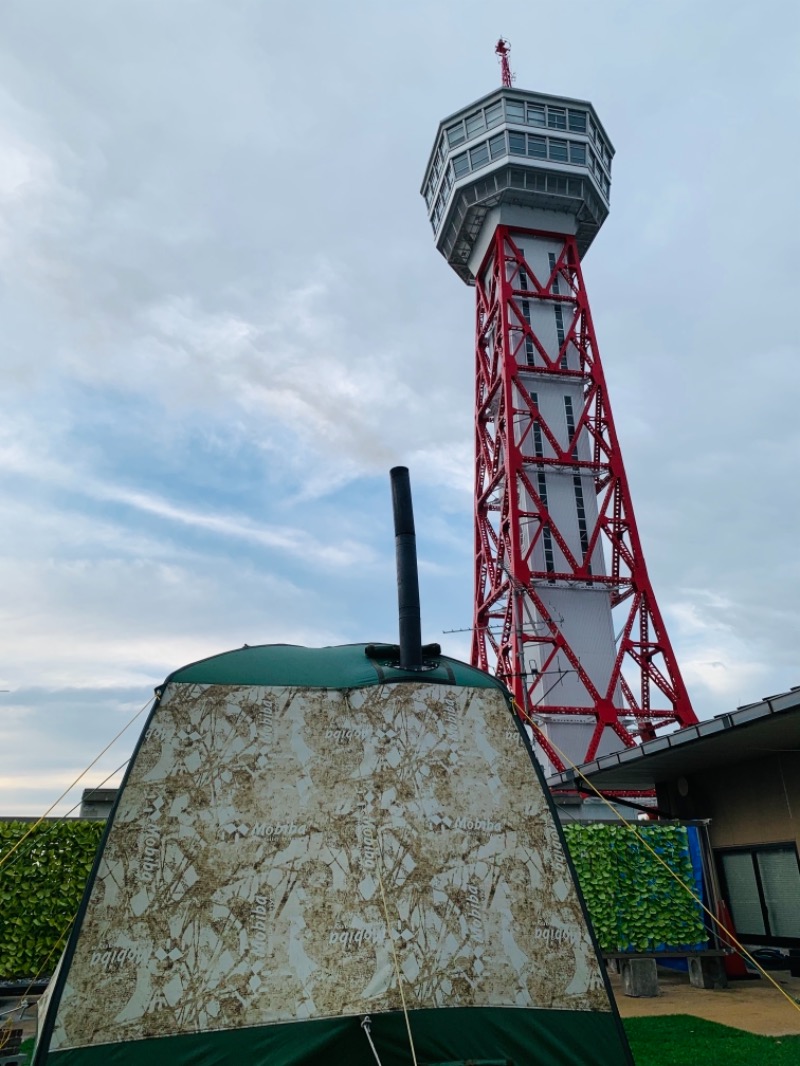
pixel 479 155
pixel 520 118
pixel 457 160
pixel 498 142
pixel 516 142
pixel 494 114
pixel 456 128
pixel 537 146
pixel 768 939
pixel 555 145
pixel 474 124
pixel 532 114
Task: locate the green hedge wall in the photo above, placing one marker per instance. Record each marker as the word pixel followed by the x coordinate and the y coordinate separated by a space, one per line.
pixel 634 903
pixel 41 885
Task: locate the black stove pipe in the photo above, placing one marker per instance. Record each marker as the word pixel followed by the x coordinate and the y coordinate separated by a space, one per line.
pixel 405 540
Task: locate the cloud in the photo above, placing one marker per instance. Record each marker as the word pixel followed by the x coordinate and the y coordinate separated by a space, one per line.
pixel 18 459
pixel 718 666
pixel 224 319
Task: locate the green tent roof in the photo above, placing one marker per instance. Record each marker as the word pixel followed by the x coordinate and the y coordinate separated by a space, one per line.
pixel 344 667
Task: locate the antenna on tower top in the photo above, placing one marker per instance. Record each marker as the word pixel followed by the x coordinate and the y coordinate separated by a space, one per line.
pixel 502 50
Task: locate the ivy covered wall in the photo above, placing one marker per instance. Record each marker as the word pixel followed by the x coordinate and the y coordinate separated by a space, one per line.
pixel 634 903
pixel 41 885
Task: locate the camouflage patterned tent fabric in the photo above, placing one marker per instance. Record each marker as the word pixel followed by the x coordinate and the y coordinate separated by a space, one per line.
pixel 307 838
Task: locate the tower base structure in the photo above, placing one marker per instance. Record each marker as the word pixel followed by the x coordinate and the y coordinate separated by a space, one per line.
pixel 550 495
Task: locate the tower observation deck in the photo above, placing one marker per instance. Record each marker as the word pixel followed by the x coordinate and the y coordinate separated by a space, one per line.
pixel 517 186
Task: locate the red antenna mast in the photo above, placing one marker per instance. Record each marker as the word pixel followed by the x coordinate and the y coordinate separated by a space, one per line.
pixel 502 50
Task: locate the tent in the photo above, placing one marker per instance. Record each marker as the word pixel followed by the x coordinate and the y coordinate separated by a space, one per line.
pixel 317 857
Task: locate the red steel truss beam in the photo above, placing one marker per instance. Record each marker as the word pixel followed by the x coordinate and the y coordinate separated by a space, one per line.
pixel 510 614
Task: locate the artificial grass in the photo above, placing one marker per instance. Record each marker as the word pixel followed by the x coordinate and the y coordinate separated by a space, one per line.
pixel 683 1040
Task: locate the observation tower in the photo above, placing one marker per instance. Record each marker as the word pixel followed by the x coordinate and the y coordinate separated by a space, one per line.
pixel 517 187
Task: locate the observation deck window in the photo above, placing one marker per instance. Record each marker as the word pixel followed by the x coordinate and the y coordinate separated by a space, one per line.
pixel 460 165
pixel 602 148
pixel 516 143
pixel 479 156
pixel 558 150
pixel 497 145
pixel 554 118
pixel 475 123
pixel 456 135
pixel 494 114
pixel 537 147
pixel 535 115
pixel 553 148
pixel 599 173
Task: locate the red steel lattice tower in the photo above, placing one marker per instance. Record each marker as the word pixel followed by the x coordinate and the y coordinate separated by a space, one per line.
pixel 517 186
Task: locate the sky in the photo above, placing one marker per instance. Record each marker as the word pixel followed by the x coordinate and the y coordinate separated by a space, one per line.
pixel 223 319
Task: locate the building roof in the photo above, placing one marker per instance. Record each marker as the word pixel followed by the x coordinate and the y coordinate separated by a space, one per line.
pixel 755 729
